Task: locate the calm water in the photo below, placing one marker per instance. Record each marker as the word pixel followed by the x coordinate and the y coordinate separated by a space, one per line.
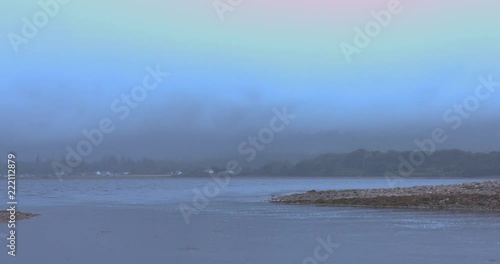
pixel 107 218
pixel 109 192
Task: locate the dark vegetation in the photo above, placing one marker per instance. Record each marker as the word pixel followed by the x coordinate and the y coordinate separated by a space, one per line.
pixel 453 163
pixel 360 163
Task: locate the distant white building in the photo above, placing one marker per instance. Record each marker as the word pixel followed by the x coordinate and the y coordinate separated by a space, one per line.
pixel 209 171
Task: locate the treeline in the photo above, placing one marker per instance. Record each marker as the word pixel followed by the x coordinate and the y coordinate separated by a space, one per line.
pixel 443 163
pixel 108 164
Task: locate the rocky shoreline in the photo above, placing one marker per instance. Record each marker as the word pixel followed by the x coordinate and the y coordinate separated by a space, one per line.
pixel 5 215
pixel 476 196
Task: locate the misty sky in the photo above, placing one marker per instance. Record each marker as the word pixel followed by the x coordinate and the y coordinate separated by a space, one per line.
pixel 226 77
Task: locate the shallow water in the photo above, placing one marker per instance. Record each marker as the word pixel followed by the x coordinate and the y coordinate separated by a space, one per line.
pixel 48 192
pixel 138 221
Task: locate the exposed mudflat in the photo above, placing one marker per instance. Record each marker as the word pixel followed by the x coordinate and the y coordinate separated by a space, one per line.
pixel 5 216
pixel 481 196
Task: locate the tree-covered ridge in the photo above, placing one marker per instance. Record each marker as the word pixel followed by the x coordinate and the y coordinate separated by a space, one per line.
pixel 452 163
pixel 443 163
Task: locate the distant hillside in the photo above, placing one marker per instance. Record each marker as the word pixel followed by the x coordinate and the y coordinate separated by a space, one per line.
pixel 453 163
pixel 444 163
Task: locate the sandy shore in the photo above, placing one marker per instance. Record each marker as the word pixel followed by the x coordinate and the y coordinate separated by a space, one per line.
pixel 4 216
pixel 480 196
